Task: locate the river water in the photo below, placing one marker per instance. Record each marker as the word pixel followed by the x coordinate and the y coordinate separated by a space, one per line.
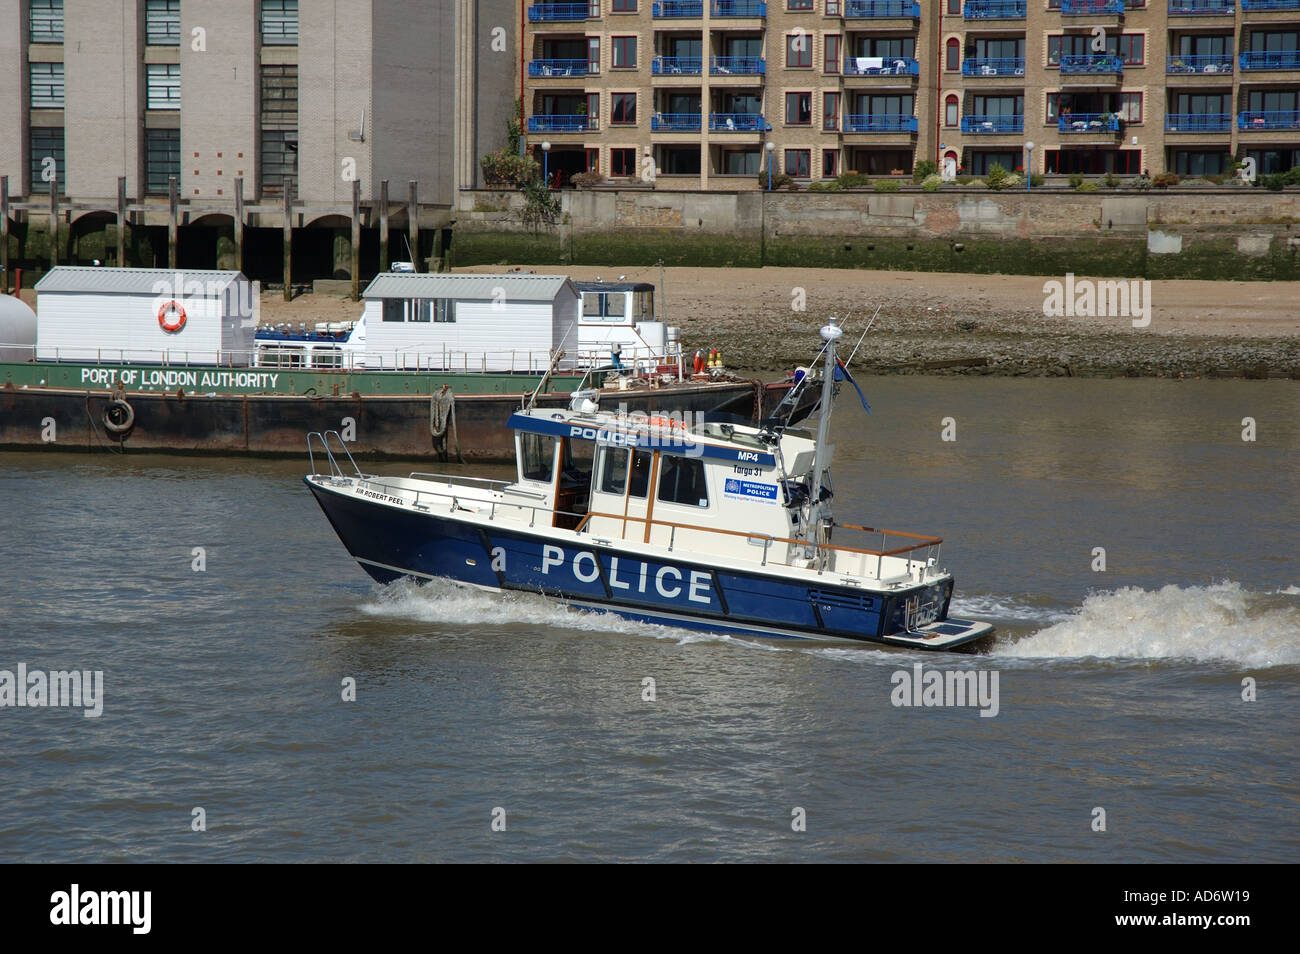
pixel 1119 690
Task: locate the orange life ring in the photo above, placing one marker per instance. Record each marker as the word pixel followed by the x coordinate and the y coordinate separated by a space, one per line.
pixel 171 327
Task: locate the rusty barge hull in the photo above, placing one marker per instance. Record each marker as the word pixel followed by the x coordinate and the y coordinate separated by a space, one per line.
pixel 277 425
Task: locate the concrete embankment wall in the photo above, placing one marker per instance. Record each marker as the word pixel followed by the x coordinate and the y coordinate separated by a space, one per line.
pixel 1232 233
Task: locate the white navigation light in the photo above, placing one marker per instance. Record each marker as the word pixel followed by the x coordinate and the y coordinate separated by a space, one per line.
pixel 832 330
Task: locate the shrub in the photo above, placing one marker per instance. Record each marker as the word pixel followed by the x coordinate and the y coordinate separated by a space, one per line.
pixel 541 205
pixel 585 180
pixel 779 181
pixel 1163 180
pixel 1292 176
pixel 886 185
pixel 1036 180
pixel 932 183
pixel 965 180
pixel 853 180
pixel 997 177
pixel 504 168
pixel 1076 179
pixel 1142 183
pixel 831 186
pixel 1086 187
pixel 1274 182
pixel 924 170
pixel 1111 181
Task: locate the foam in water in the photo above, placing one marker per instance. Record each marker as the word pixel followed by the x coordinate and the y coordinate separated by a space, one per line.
pixel 441 601
pixel 1222 622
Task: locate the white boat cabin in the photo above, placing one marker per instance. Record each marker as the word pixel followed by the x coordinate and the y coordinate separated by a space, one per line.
pixel 618 326
pixel 711 488
pixel 145 315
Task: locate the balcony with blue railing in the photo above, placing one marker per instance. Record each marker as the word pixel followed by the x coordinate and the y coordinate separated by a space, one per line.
pixel 879 123
pixel 1200 63
pixel 1202 8
pixel 994 9
pixel 1198 122
pixel 739 65
pixel 993 66
pixel 992 125
pixel 1101 63
pixel 1088 123
pixel 1268 6
pixel 677 65
pixel 678 9
pixel 1256 120
pixel 738 8
pixel 1271 60
pixel 736 122
pixel 557 67
pixel 1091 8
pixel 558 12
pixel 881 10
pixel 558 123
pixel 675 122
pixel 881 66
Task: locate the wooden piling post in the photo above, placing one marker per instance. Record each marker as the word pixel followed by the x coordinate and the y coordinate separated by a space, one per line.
pixel 121 221
pixel 413 223
pixel 356 239
pixel 173 220
pixel 4 235
pixel 239 223
pixel 54 221
pixel 383 225
pixel 288 241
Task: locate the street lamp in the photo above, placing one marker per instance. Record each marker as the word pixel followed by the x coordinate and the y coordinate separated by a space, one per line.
pixel 771 149
pixel 546 163
pixel 1029 166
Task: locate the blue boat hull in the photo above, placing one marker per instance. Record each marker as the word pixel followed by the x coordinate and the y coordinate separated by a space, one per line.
pixel 391 544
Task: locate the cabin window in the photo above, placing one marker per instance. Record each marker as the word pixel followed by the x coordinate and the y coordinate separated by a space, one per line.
pixel 681 481
pixel 643 306
pixel 603 306
pixel 419 309
pixel 613 472
pixel 536 457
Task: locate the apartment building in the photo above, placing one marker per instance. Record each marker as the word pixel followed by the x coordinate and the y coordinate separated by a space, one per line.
pixel 700 93
pixel 305 96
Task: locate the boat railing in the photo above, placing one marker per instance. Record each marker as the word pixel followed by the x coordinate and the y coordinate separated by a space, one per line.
pixel 336 471
pixel 277 356
pixel 426 500
pixel 825 557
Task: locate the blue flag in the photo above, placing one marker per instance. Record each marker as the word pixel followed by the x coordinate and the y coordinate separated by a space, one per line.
pixel 842 374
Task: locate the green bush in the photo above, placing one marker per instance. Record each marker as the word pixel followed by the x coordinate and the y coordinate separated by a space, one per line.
pixel 504 168
pixel 886 185
pixel 1076 180
pixel 831 186
pixel 853 180
pixel 1165 179
pixel 924 169
pixel 965 180
pixel 1036 180
pixel 1086 187
pixel 1274 182
pixel 932 183
pixel 1292 176
pixel 1111 181
pixel 1142 183
pixel 997 177
pixel 541 205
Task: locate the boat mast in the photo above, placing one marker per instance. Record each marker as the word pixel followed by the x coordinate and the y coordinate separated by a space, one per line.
pixel 817 510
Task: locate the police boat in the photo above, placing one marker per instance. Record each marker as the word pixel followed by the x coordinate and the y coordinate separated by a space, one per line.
pixel 704 524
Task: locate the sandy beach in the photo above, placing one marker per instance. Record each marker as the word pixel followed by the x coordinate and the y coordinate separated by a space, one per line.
pixel 929 322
